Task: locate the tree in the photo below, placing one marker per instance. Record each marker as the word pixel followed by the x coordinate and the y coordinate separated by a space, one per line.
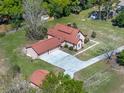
pixel 119 20
pixel 12 8
pixel 54 9
pixel 104 7
pixel 108 5
pixel 32 14
pixel 120 58
pixel 84 4
pixel 67 7
pixel 62 84
pixel 100 4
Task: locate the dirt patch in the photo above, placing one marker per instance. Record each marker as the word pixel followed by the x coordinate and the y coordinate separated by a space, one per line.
pixel 5 28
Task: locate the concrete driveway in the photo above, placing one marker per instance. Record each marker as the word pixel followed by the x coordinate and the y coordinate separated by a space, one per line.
pixel 63 60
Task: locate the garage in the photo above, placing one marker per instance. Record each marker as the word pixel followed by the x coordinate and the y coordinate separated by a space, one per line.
pixel 43 47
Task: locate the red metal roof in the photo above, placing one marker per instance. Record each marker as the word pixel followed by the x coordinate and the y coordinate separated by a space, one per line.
pixel 38 77
pixel 46 45
pixel 67 33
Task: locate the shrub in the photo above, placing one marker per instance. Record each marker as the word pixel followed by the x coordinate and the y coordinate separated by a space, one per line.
pixel 75 50
pixel 36 35
pixel 69 24
pixel 71 48
pixel 75 9
pixel 119 20
pixel 120 58
pixel 86 40
pixel 2 34
pixel 66 46
pixel 74 25
pixel 93 35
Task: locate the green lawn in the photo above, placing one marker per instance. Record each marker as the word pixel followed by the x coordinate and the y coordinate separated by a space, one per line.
pixel 100 78
pixel 12 45
pixel 109 37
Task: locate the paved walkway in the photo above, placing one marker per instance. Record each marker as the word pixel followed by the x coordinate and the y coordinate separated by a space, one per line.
pixel 71 64
pixel 96 43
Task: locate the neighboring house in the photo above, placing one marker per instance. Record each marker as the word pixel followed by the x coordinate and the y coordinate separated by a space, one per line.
pixel 37 78
pixel 58 36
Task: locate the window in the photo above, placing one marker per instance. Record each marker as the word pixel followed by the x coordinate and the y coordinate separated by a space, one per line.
pixel 79 45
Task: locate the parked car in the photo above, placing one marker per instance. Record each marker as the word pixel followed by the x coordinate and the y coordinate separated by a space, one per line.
pixel 95 15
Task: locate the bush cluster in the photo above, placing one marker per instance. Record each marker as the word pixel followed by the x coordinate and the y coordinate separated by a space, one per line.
pixel 119 20
pixel 93 35
pixel 71 48
pixel 66 46
pixel 86 40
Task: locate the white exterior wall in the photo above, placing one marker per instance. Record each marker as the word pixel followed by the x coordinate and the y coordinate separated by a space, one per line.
pixel 69 44
pixel 33 86
pixel 31 53
pixel 54 50
pixel 79 45
pixel 75 47
pixel 63 44
pixel 49 37
pixel 80 35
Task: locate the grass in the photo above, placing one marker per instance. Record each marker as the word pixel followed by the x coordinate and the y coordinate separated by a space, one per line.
pixel 72 52
pixel 12 44
pixel 90 71
pixel 100 78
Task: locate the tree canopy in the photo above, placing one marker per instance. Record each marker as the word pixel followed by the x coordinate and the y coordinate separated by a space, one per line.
pixel 32 16
pixel 120 58
pixel 11 7
pixel 62 84
pixel 119 20
pixel 67 7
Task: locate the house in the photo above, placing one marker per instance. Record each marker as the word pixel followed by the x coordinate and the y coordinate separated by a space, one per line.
pixel 37 78
pixel 58 36
pixel 71 36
